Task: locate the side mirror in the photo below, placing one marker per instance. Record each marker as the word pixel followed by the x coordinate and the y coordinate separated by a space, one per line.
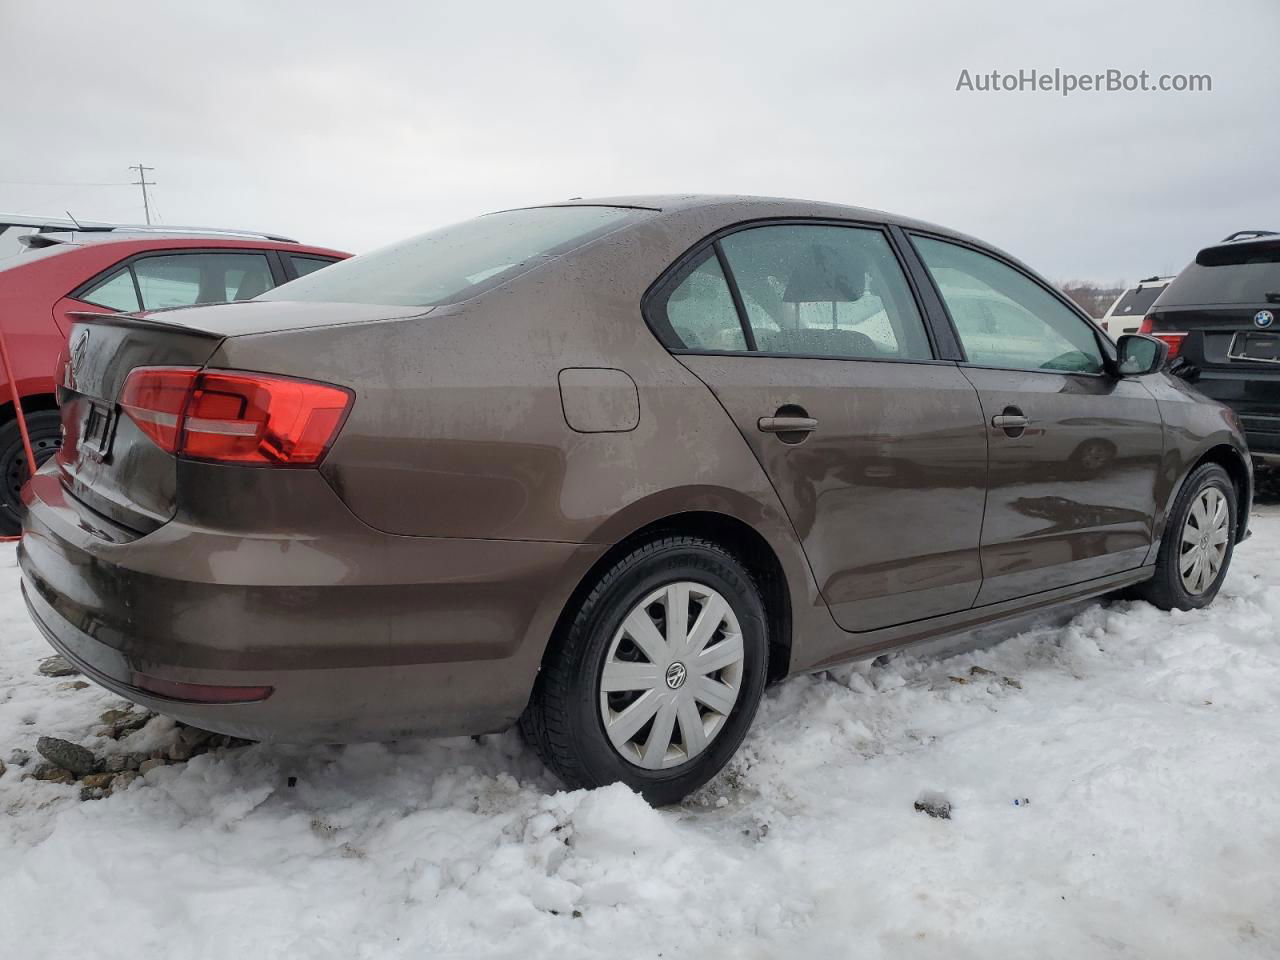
pixel 1137 355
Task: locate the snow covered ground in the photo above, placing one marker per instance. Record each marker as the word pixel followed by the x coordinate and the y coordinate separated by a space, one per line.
pixel 1145 742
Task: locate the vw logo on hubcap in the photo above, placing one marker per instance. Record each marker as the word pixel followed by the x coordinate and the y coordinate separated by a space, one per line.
pixel 676 674
pixel 1263 318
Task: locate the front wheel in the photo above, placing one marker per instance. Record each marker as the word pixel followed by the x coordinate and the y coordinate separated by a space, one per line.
pixel 658 675
pixel 45 430
pixel 1199 537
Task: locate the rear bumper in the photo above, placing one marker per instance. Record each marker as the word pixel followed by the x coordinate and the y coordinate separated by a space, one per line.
pixel 1255 398
pixel 360 635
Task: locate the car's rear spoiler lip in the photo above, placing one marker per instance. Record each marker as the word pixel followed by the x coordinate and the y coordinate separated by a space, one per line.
pixel 133 320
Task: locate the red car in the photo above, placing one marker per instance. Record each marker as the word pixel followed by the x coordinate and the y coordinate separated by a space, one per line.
pixel 113 271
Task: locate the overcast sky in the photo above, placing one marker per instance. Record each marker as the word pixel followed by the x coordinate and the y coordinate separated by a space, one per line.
pixel 354 124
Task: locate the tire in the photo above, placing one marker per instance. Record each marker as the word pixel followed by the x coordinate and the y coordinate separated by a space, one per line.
pixel 1169 589
pixel 570 716
pixel 45 430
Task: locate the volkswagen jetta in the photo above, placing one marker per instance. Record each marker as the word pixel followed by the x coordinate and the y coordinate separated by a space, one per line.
pixel 606 468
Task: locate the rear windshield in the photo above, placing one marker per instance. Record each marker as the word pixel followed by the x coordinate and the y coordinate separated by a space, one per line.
pixel 1244 273
pixel 457 262
pixel 1134 303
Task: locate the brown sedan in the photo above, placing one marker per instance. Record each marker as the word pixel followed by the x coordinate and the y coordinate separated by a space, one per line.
pixel 606 468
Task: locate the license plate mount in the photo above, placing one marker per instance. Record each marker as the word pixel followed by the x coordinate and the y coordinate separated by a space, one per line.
pixel 98 424
pixel 1255 348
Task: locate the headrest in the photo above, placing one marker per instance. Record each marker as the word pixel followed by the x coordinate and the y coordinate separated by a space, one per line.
pixel 825 275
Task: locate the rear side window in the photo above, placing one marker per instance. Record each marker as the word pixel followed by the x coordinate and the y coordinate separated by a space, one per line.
pixel 116 292
pixel 829 291
pixel 1003 317
pixel 305 265
pixel 1243 273
pixel 182 280
pixel 701 313
pixel 457 262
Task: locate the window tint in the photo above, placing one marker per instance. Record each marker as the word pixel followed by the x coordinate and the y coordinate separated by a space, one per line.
pixel 1135 302
pixel 305 265
pixel 457 262
pixel 825 291
pixel 116 293
pixel 180 280
pixel 1004 318
pixel 701 313
pixel 1240 273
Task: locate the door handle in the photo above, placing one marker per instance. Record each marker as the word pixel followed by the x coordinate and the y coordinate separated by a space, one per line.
pixel 1012 421
pixel 787 424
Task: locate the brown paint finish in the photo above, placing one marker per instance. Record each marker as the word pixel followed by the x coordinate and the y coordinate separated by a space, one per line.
pixel 886 494
pixel 498 448
pixel 1072 496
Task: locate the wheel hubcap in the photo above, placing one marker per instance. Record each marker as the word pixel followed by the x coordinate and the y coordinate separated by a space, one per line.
pixel 672 675
pixel 1205 536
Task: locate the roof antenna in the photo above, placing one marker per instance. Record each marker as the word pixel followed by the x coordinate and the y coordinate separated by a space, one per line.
pixel 73 220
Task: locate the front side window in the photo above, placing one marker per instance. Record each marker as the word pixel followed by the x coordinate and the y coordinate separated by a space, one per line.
pixel 116 292
pixel 828 291
pixel 458 262
pixel 1003 317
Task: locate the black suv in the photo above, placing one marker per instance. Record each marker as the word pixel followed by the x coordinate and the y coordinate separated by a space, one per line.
pixel 1221 319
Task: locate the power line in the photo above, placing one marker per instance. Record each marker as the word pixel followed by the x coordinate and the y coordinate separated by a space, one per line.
pixel 142 182
pixel 68 183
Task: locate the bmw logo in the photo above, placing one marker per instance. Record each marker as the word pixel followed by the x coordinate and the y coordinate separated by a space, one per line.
pixel 1264 318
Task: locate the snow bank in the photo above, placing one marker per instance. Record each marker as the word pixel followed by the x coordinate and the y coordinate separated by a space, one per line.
pixel 1144 742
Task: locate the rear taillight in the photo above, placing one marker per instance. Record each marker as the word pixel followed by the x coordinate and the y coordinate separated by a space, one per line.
pixel 227 416
pixel 1173 338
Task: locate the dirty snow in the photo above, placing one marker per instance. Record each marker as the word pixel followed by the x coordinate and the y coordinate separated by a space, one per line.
pixel 1120 797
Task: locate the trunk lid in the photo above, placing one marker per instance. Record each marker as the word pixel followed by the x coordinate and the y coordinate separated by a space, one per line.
pixel 107 465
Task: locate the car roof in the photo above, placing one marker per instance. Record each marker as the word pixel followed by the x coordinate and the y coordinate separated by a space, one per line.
pixel 60 225
pixel 737 208
pixel 139 242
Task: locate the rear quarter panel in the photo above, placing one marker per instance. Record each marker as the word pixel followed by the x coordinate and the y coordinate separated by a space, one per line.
pixel 458 428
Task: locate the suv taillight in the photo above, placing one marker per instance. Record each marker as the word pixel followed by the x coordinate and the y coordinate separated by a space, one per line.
pixel 1172 338
pixel 227 416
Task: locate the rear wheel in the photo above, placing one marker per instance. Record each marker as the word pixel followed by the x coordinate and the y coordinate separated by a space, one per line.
pixel 1199 537
pixel 45 430
pixel 658 675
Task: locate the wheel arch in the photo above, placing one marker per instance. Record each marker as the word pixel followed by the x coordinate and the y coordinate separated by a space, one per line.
pixel 1236 464
pixel 745 543
pixel 30 404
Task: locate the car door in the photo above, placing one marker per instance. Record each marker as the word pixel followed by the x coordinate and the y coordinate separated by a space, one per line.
pixel 1074 450
pixel 810 337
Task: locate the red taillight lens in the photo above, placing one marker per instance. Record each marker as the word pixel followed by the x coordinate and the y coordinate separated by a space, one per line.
pixel 1172 338
pixel 227 416
pixel 155 398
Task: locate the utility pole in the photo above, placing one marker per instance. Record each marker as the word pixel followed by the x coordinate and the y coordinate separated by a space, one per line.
pixel 144 183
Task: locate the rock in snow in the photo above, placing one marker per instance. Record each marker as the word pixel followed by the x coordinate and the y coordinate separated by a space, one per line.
pixel 57 666
pixel 70 756
pixel 935 804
